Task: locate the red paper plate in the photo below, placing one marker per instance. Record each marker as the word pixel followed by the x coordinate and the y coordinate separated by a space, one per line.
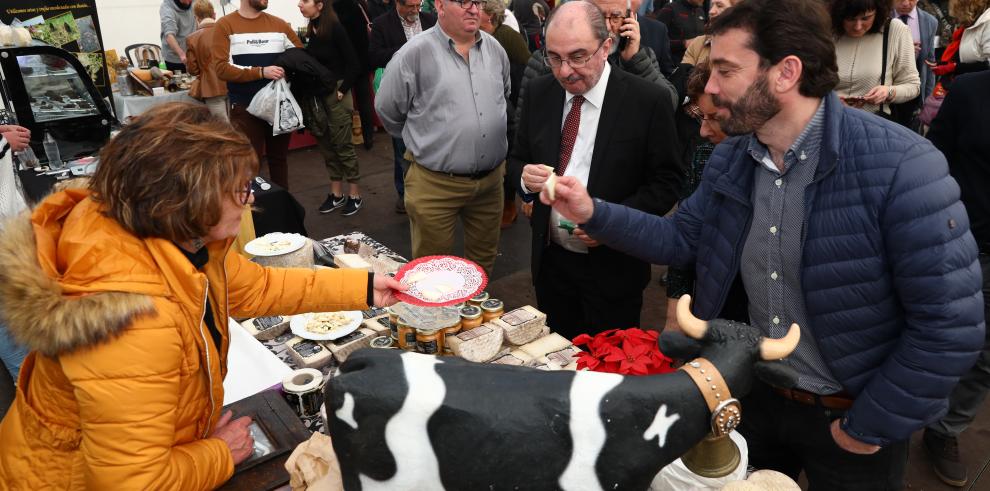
pixel 436 281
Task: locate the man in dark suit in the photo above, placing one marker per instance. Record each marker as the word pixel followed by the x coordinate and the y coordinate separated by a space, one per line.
pixel 960 131
pixel 923 28
pixel 618 136
pixel 389 32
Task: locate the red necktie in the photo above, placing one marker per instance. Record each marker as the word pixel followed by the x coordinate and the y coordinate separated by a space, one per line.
pixel 569 134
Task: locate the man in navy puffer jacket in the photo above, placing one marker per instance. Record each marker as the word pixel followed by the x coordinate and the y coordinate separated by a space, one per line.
pixel 828 217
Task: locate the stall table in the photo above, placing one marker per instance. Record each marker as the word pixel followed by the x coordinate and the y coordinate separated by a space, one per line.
pixel 128 106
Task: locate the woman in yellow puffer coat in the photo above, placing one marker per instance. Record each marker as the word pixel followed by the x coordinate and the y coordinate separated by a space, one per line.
pixel 122 292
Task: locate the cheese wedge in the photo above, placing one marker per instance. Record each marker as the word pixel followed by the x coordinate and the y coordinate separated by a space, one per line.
pixel 546 344
pixel 551 183
pixel 351 261
pixel 479 344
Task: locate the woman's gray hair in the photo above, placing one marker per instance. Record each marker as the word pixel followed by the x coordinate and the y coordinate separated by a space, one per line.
pixel 595 17
pixel 496 10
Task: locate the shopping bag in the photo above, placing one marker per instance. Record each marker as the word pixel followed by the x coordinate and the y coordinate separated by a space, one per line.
pixel 289 117
pixel 265 103
pixel 275 105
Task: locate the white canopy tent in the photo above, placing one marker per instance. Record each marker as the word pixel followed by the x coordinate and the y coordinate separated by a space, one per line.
pixel 127 22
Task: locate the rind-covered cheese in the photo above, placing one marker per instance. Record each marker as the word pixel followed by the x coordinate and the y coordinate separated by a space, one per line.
pixel 521 325
pixel 379 325
pixel 307 353
pixel 266 328
pixel 479 344
pixel 351 261
pixel 343 347
pixel 517 358
pixel 562 359
pixel 546 344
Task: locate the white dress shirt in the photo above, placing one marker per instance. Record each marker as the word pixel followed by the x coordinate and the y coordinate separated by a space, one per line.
pixel 580 163
pixel 912 23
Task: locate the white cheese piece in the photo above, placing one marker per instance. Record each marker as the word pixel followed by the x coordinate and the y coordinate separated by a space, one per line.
pixel 551 186
pixel 544 345
pixel 431 294
pixel 351 261
pixel 413 277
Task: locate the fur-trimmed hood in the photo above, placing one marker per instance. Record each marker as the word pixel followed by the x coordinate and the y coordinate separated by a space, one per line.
pixel 71 277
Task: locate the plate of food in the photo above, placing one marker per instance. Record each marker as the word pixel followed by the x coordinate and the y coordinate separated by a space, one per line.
pixel 275 244
pixel 435 281
pixel 325 326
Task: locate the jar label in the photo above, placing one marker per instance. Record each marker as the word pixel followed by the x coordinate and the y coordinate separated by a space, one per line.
pixel 411 338
pixel 474 333
pixel 427 347
pixel 518 317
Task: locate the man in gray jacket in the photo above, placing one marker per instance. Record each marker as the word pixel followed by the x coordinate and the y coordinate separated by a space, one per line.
pixel 178 22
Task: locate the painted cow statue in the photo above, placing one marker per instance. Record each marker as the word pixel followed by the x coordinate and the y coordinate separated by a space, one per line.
pixel 405 421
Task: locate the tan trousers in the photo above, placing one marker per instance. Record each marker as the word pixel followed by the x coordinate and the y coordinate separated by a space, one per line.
pixel 433 203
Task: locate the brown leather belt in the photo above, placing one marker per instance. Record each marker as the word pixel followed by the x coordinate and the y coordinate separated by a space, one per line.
pixel 840 401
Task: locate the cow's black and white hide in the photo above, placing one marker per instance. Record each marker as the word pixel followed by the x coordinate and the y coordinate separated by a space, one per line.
pixel 405 421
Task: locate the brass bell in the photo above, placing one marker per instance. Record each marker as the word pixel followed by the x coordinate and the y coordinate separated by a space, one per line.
pixel 715 456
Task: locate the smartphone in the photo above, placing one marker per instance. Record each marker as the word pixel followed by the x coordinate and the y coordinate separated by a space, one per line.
pixel 624 41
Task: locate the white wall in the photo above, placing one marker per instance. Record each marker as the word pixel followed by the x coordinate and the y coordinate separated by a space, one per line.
pixel 127 22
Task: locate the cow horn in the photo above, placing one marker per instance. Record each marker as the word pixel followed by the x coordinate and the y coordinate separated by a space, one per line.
pixel 691 325
pixel 776 349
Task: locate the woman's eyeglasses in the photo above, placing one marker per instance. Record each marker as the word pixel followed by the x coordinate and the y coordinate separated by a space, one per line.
pixel 695 112
pixel 244 195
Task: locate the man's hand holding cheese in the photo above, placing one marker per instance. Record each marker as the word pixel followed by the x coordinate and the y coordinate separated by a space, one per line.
pixel 534 177
pixel 571 199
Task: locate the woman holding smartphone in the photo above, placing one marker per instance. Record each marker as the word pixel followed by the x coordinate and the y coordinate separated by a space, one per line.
pixel 875 56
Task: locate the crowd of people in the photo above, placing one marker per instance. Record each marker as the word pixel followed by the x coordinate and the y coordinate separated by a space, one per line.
pixel 817 162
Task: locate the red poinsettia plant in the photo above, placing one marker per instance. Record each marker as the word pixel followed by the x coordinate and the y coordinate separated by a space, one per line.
pixel 630 351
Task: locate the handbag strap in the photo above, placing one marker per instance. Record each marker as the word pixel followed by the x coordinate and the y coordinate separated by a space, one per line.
pixel 883 66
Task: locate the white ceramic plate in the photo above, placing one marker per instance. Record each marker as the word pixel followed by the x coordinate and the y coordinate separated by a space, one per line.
pixel 297 324
pixel 275 244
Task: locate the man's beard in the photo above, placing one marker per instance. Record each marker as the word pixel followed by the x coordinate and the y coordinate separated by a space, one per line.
pixel 751 111
pixel 258 5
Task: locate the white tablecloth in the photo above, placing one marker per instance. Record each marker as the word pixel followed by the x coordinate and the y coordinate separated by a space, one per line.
pixel 133 105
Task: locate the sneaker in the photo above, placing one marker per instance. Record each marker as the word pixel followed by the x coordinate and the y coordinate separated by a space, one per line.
pixel 332 203
pixel 943 453
pixel 400 206
pixel 352 206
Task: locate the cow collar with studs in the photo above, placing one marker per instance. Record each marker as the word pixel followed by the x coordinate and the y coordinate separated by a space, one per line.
pixel 726 410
